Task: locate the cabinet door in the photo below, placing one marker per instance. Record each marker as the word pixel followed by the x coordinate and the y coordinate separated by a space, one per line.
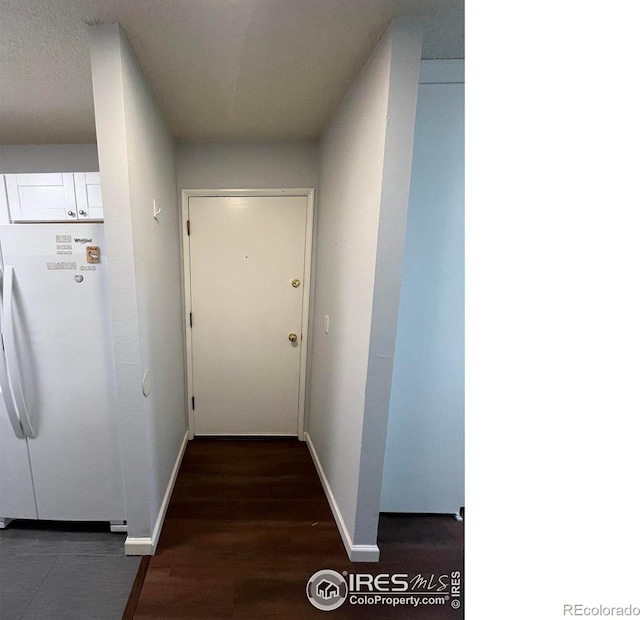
pixel 41 197
pixel 88 196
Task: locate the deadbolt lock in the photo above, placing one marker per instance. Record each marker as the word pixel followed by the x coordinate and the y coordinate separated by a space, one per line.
pixel 295 283
pixel 293 337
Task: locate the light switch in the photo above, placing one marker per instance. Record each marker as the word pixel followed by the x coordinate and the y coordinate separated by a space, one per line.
pixel 326 323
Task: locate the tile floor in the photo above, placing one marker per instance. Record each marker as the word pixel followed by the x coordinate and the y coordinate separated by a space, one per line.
pixel 63 570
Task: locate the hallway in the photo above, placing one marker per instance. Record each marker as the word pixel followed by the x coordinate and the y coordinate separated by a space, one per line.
pixel 249 523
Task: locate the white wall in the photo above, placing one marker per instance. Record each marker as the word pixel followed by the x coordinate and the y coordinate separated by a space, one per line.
pixel 137 165
pixel 424 464
pixel 33 158
pixel 365 161
pixel 257 165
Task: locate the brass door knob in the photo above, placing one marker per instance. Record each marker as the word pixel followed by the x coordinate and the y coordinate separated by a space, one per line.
pixel 295 283
pixel 293 337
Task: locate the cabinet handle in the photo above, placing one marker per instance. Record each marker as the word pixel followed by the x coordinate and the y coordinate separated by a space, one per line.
pixel 82 212
pixel 71 213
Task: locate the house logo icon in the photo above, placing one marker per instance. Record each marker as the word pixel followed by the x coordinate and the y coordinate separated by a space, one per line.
pixel 327 590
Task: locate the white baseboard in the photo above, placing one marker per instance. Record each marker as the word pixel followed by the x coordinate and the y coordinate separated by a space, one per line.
pixel 139 546
pixel 364 553
pixel 147 545
pixel 356 553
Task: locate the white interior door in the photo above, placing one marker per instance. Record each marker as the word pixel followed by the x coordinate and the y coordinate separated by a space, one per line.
pixel 245 254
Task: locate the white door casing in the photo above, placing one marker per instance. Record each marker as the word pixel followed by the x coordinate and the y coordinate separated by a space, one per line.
pixel 243 253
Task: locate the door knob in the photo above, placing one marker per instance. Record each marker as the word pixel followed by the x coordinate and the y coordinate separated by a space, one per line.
pixel 295 283
pixel 293 337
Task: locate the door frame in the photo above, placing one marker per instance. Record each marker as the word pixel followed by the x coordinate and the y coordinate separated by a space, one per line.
pixel 308 193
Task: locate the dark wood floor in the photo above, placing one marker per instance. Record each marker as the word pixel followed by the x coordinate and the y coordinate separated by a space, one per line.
pixel 249 523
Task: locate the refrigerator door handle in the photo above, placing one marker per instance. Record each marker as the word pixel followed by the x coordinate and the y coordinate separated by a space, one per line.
pixel 8 338
pixel 4 379
pixel 8 399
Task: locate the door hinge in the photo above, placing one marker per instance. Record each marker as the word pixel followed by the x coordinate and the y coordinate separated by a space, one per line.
pixel 190 319
pixel 193 402
pixel 188 227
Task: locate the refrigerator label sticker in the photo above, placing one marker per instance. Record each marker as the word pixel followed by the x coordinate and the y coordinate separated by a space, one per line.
pixel 63 238
pixel 93 254
pixel 87 268
pixel 60 265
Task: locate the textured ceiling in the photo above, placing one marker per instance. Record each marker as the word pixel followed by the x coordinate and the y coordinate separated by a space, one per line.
pixel 221 70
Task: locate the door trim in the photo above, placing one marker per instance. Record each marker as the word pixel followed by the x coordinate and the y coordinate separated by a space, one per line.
pixel 306 286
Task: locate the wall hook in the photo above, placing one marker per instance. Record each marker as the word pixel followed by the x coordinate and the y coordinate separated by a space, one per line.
pixel 156 211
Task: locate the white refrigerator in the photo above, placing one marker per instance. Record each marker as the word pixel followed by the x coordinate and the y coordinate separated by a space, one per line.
pixel 60 442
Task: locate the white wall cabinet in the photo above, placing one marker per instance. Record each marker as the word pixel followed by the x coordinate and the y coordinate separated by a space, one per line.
pixel 54 197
